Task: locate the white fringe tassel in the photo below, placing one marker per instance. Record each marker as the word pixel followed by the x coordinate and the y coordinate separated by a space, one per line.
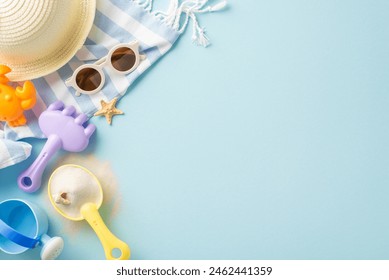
pixel 189 9
pixel 146 4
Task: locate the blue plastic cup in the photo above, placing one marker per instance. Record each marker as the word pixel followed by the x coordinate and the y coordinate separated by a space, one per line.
pixel 23 226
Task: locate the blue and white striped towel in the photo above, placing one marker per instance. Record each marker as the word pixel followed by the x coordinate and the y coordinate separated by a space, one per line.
pixel 12 152
pixel 116 21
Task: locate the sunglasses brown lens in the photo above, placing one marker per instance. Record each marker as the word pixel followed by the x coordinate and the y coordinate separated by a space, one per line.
pixel 123 59
pixel 88 79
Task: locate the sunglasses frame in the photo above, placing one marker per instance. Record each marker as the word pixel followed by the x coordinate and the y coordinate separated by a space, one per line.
pixel 105 62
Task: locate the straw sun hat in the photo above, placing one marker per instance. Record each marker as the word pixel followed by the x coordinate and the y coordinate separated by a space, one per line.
pixel 37 37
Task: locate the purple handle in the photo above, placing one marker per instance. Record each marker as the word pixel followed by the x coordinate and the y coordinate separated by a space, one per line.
pixel 30 180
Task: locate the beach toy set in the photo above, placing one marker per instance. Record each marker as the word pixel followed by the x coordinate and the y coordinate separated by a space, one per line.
pixel 73 191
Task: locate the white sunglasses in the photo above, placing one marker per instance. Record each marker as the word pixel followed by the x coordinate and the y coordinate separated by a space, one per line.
pixel 90 78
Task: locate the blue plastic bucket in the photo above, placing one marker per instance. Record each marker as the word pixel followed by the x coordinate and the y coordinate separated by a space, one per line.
pixel 23 226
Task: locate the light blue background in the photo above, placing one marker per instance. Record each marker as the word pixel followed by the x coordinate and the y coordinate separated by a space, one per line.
pixel 270 144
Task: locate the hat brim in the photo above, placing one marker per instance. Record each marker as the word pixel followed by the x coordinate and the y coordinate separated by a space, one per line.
pixel 56 59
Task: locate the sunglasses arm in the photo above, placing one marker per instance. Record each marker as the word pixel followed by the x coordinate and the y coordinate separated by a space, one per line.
pixel 100 61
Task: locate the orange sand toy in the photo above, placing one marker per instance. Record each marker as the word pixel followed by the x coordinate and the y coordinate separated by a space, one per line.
pixel 14 101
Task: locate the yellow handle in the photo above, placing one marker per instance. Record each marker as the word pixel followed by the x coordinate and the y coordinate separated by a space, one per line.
pixel 109 241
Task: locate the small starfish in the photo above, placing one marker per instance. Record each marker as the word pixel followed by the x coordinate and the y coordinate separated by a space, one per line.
pixel 108 110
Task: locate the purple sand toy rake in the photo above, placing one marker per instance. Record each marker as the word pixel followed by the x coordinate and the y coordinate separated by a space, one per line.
pixel 63 129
